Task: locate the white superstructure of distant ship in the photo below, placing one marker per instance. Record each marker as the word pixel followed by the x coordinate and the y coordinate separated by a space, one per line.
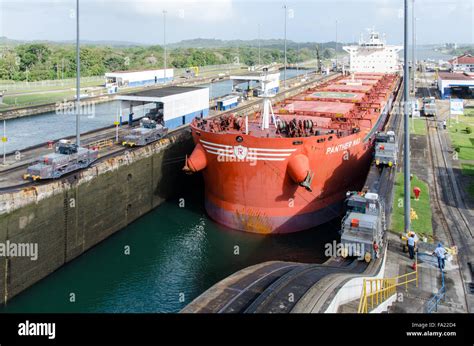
pixel 373 55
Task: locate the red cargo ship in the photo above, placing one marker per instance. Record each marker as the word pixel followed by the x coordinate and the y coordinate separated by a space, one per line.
pixel 288 168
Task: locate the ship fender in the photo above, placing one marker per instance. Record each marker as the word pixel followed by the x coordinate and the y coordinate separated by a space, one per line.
pixel 197 161
pixel 298 170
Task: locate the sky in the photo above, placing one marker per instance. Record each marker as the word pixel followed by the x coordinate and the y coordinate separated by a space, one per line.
pixel 141 21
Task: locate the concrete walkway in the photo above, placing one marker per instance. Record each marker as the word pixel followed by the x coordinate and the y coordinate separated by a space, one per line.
pixel 414 300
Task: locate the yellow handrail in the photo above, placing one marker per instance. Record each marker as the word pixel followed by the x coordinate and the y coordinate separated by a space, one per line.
pixel 382 289
pixel 101 143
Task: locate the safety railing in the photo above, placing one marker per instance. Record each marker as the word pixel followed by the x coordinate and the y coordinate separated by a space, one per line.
pixel 100 144
pixel 376 291
pixel 432 304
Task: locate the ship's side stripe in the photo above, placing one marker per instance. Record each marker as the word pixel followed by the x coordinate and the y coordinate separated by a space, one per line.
pixel 215 144
pixel 277 150
pixel 229 147
pixel 212 150
pixel 226 150
pixel 249 157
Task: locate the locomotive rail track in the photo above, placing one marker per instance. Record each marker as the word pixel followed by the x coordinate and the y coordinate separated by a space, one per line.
pixel 448 200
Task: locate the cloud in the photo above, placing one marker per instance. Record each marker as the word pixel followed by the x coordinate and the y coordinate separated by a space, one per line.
pixel 190 10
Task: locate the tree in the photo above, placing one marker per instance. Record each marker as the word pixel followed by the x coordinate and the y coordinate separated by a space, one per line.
pixel 31 54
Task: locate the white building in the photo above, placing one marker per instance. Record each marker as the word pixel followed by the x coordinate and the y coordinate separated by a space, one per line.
pixel 179 105
pixel 460 84
pixel 463 63
pixel 373 56
pixel 137 78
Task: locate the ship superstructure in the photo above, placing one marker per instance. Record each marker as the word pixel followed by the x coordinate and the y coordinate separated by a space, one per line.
pixel 373 55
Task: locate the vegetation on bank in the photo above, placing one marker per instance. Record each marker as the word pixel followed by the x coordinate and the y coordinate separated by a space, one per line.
pixel 418 127
pixel 46 61
pixel 462 137
pixel 462 141
pixel 462 50
pixel 421 217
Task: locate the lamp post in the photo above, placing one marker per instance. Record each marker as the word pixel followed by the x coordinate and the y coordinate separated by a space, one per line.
pixel 164 41
pixel 78 79
pixel 259 45
pixel 406 147
pixel 4 141
pixel 336 46
pixel 413 28
pixel 284 75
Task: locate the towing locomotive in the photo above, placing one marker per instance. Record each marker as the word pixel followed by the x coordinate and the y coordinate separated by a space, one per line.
pixel 68 157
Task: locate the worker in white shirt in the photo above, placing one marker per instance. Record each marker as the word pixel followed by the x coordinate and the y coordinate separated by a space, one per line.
pixel 440 252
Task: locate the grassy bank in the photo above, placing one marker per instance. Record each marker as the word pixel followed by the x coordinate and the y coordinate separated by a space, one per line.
pixel 421 224
pixel 38 99
pixel 463 143
pixel 418 126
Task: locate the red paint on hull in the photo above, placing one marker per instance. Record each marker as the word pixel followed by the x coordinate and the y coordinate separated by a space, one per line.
pixel 249 185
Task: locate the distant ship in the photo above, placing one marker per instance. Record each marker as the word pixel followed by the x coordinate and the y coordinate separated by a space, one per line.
pixel 289 168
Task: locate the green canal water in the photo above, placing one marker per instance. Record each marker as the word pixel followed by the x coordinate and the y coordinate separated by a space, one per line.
pixel 176 253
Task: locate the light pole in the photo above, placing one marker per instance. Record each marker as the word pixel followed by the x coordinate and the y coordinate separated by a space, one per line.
pixel 406 146
pixel 297 58
pixel 4 141
pixel 210 88
pixel 413 63
pixel 336 45
pixel 78 78
pixel 164 41
pixel 284 75
pixel 259 44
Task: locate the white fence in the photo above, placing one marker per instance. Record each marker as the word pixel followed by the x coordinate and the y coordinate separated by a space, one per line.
pixel 6 85
pixel 12 85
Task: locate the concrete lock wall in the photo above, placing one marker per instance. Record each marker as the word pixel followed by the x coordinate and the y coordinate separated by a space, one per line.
pixel 67 217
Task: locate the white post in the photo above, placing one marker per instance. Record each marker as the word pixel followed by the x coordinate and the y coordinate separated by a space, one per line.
pixel 259 45
pixel 78 78
pixel 4 140
pixel 246 124
pixel 120 112
pixel 164 41
pixel 265 120
pixel 284 75
pixel 116 123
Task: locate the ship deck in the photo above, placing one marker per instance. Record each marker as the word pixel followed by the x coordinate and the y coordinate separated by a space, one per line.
pixel 342 106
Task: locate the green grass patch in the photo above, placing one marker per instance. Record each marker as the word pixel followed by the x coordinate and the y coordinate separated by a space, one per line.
pixel 34 99
pixel 467 169
pixel 469 112
pixel 462 140
pixel 470 189
pixel 420 225
pixel 418 126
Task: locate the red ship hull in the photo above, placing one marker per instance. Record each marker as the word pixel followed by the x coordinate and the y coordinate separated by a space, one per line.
pixel 255 183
